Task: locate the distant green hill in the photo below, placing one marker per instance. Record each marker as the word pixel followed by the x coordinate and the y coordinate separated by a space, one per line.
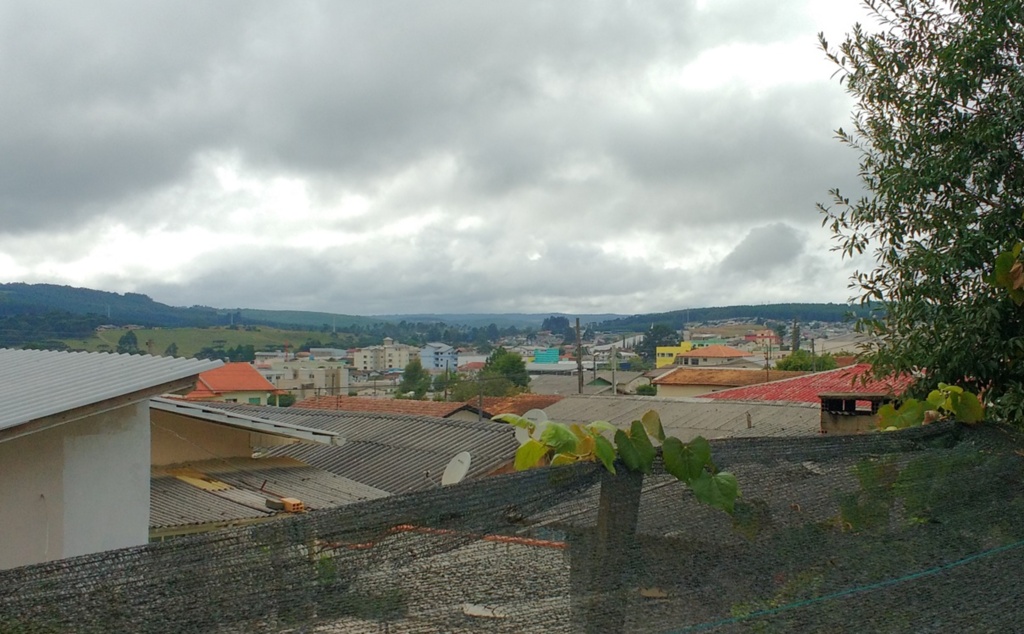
pixel 127 308
pixel 307 319
pixel 19 299
pixel 764 312
pixel 501 320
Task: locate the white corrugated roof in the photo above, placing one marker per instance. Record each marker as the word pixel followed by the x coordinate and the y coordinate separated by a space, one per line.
pixel 39 383
pixel 252 423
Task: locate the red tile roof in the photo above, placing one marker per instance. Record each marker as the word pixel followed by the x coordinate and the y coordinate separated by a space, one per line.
pixel 727 377
pixel 805 389
pixel 715 351
pixel 518 404
pixel 385 405
pixel 230 377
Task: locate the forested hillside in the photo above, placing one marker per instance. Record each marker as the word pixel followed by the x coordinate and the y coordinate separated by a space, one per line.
pixel 762 313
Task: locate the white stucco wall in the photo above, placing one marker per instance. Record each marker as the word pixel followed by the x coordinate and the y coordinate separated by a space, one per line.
pixel 75 489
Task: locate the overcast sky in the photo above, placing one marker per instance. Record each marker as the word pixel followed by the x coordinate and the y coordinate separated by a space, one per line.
pixel 407 157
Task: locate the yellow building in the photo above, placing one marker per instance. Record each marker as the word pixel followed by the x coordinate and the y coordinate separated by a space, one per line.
pixel 666 355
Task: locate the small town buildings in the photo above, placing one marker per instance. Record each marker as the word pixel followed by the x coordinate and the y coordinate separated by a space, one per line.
pixel 306 377
pixel 437 356
pixel 233 383
pixel 712 354
pixel 389 356
pixel 668 355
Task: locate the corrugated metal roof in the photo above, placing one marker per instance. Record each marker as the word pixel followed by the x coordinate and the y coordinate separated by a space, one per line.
pixel 174 502
pixel 393 452
pixel 383 405
pixel 690 417
pixel 253 423
pixel 39 383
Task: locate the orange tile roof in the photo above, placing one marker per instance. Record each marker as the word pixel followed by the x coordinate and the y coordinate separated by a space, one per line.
pixel 384 405
pixel 722 377
pixel 518 404
pixel 230 377
pixel 715 351
pixel 852 379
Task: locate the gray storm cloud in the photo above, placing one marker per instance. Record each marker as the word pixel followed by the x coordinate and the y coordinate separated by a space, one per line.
pixel 546 122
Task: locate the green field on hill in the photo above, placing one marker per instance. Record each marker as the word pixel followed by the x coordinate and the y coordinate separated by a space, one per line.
pixel 192 340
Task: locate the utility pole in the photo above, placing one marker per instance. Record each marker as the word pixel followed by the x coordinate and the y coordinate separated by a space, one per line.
pixel 615 362
pixel 579 357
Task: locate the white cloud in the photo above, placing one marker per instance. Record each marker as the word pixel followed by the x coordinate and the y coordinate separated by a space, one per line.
pixel 599 156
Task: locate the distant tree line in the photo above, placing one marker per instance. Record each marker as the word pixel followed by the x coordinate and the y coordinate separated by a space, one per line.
pixel 43 330
pixel 761 314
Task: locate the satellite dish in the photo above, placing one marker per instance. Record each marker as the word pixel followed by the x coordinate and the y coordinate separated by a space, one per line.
pixel 522 435
pixel 536 416
pixel 456 469
pixel 539 418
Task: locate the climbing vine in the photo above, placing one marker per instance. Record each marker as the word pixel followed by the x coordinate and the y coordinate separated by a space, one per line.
pixel 636 449
pixel 948 401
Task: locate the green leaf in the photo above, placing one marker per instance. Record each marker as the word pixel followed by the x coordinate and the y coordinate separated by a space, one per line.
pixel 559 437
pixel 652 423
pixel 601 425
pixel 969 409
pixel 517 421
pixel 605 453
pixel 719 490
pixel 627 451
pixel 647 452
pixel 936 399
pixel 909 414
pixel 682 460
pixel 529 454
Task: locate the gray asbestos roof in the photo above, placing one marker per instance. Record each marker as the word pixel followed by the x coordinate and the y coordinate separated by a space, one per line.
pixel 690 417
pixel 35 384
pixel 202 411
pixel 249 483
pixel 393 452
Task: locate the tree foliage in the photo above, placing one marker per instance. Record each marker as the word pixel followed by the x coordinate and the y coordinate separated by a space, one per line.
pixel 656 335
pixel 415 379
pixel 647 389
pixel 503 363
pixel 939 123
pixel 804 361
pixel 128 343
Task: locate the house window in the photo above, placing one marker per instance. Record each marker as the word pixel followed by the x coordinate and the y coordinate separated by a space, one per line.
pixel 254 400
pixel 697 361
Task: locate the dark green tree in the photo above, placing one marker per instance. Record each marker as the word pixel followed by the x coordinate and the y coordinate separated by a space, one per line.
pixel 647 389
pixel 467 389
pixel 802 360
pixel 172 350
pixel 509 365
pixel 656 335
pixel 415 380
pixel 939 124
pixel 128 343
pixel 795 336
